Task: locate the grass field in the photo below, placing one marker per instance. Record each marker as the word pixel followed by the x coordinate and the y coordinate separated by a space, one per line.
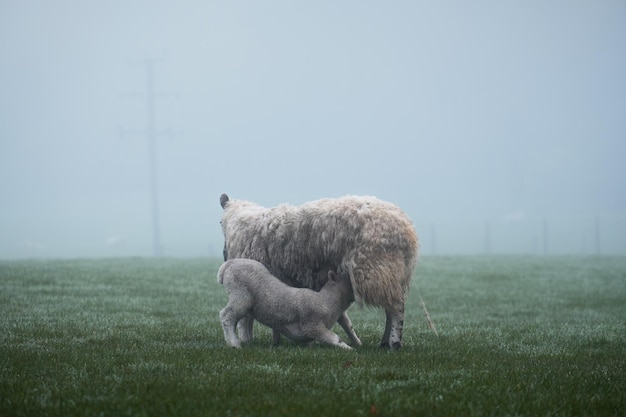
pixel 518 336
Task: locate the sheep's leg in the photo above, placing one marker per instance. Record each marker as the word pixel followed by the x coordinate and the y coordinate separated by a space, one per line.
pixel 385 342
pixel 346 324
pixel 322 334
pixel 229 319
pixel 245 328
pixel 392 338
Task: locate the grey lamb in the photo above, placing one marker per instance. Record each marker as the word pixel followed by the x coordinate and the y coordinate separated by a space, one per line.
pixel 301 314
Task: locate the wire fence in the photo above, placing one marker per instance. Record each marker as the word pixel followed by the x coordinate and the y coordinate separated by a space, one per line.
pixel 568 234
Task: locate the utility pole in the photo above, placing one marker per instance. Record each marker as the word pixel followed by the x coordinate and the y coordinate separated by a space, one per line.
pixel 487 238
pixel 597 236
pixel 433 239
pixel 151 134
pixel 545 236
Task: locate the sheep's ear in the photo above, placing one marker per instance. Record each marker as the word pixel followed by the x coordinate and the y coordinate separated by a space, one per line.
pixel 332 276
pixel 223 200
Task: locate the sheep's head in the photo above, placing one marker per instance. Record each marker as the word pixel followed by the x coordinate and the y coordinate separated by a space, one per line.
pixel 223 201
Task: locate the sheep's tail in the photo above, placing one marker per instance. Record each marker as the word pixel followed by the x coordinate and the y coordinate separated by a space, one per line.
pixel 220 274
pixel 357 296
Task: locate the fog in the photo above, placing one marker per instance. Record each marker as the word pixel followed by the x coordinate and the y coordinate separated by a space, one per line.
pixel 499 127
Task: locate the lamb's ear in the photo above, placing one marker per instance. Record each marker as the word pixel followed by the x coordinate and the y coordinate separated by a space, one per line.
pixel 332 276
pixel 223 200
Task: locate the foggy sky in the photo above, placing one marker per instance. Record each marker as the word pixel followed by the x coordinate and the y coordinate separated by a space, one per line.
pixel 497 126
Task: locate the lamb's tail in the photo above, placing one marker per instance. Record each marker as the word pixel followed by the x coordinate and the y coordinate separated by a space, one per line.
pixel 220 273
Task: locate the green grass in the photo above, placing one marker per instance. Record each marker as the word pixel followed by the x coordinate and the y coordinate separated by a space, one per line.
pixel 517 336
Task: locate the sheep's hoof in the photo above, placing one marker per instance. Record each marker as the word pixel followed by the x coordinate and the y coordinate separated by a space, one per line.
pixel 393 346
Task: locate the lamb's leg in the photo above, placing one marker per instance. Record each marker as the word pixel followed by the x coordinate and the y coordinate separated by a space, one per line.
pixel 346 324
pixel 275 337
pixel 322 334
pixel 245 328
pixel 229 320
pixel 392 339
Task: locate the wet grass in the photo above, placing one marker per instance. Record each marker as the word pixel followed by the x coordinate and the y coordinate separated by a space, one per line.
pixel 517 336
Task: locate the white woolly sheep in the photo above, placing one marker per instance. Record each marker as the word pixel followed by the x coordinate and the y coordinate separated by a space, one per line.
pixel 374 241
pixel 300 314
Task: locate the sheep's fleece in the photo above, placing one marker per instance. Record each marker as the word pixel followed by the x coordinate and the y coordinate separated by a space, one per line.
pixel 373 240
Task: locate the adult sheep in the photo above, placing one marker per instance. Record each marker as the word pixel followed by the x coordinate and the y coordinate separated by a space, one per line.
pixel 373 240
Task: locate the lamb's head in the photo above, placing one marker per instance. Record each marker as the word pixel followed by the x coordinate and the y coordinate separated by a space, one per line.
pixel 340 282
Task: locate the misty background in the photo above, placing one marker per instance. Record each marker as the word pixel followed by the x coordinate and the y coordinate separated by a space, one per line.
pixel 499 127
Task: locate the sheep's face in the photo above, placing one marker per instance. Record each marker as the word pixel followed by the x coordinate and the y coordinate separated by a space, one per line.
pixel 225 250
pixel 223 201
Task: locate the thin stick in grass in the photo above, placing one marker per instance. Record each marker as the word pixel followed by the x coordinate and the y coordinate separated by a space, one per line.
pixel 431 326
